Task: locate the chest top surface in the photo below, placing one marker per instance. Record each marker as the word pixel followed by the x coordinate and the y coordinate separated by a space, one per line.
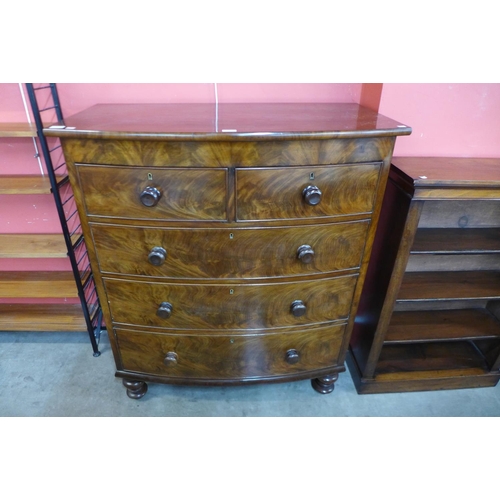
pixel 223 122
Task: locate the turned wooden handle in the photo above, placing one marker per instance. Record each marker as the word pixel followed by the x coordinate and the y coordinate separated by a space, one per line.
pixel 305 253
pixel 157 256
pixel 292 356
pixel 298 308
pixel 170 359
pixel 312 195
pixel 150 196
pixel 164 311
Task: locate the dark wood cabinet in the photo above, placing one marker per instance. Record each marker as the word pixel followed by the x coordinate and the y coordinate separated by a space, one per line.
pixel 229 257
pixel 430 309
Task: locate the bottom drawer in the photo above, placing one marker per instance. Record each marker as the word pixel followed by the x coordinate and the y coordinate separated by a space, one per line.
pixel 231 357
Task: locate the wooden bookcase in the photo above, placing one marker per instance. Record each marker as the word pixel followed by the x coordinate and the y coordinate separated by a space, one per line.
pixel 430 309
pixel 34 284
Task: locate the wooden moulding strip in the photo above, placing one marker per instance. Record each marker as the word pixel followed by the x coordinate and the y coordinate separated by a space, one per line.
pixel 41 317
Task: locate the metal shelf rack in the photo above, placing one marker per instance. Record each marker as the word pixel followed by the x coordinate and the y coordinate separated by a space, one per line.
pixel 46 108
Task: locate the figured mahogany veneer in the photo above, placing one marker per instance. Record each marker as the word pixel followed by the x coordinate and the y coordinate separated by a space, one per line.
pixel 245 306
pixel 271 193
pixel 229 245
pixel 232 252
pixel 231 357
pixel 184 194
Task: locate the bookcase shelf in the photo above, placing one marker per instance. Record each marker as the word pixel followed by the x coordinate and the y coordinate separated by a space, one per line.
pixel 429 313
pixel 25 184
pixel 456 241
pixel 12 129
pixel 432 326
pixel 32 246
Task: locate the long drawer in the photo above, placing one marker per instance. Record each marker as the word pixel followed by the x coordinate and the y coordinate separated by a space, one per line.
pixel 305 192
pixel 154 193
pixel 229 253
pixel 245 306
pixel 230 357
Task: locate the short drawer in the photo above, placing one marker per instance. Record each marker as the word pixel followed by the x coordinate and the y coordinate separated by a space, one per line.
pixel 230 357
pixel 305 192
pixel 154 193
pixel 193 306
pixel 229 253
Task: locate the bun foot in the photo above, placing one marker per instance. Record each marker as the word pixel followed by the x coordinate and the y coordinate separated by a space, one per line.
pixel 135 389
pixel 325 385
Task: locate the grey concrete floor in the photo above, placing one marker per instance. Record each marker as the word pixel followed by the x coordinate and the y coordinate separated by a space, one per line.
pixel 55 375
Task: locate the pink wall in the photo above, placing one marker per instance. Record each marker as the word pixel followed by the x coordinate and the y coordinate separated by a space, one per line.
pixel 77 96
pixel 447 119
pixel 11 103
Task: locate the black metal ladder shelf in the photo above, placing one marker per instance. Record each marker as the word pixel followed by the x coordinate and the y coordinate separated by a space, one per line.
pixel 66 207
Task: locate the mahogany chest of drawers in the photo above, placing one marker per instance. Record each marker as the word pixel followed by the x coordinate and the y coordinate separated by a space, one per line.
pixel 229 243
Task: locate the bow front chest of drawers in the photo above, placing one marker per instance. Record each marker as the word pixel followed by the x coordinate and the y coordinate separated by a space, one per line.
pixel 229 244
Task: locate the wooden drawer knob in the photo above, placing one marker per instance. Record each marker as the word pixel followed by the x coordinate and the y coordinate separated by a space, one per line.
pixel 150 196
pixel 305 253
pixel 170 359
pixel 157 256
pixel 298 308
pixel 292 356
pixel 164 311
pixel 312 195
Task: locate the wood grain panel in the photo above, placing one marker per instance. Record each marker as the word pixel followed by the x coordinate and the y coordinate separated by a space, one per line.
pixel 37 284
pixel 227 153
pixel 425 262
pixel 25 184
pixel 32 246
pixel 186 194
pixel 450 285
pixel 229 253
pixel 245 121
pixel 482 240
pixel 230 357
pixel 448 172
pixel 230 306
pixel 16 129
pixel 428 326
pixel 428 359
pixel 267 194
pixel 42 318
pixel 460 214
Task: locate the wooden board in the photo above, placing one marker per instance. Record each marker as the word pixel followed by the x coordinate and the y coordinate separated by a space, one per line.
pixel 404 361
pixel 12 129
pixel 450 285
pixel 29 284
pixel 438 240
pixel 424 326
pixel 25 184
pixel 451 172
pixel 41 317
pixel 32 246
